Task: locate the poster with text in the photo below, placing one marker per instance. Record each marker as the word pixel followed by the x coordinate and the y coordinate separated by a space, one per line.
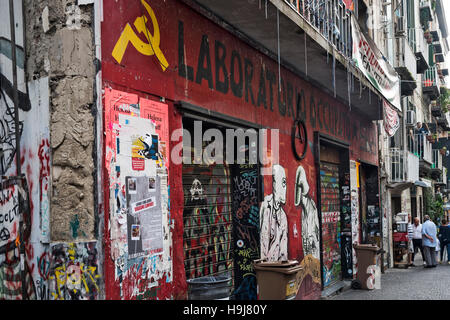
pixel 144 218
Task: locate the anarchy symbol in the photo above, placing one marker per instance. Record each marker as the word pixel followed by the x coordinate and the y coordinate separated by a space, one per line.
pixel 4 234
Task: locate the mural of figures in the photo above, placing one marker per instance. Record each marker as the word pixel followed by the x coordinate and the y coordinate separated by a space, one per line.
pixel 310 217
pixel 308 281
pixel 274 226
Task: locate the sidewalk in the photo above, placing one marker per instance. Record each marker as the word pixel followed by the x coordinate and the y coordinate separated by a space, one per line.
pixel 416 283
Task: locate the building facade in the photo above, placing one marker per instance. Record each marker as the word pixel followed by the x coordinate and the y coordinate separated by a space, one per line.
pixel 123 191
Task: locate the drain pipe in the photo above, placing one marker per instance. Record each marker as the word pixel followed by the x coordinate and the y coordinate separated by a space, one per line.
pixel 17 136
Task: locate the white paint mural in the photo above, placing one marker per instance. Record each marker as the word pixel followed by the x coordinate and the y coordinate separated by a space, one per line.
pixel 310 217
pixel 274 225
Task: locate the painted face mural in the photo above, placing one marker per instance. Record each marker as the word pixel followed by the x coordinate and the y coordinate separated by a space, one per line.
pixel 274 226
pixel 310 218
pixel 279 185
pixel 196 190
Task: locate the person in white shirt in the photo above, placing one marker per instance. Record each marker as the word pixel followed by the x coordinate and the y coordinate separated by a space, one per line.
pixel 417 239
pixel 410 242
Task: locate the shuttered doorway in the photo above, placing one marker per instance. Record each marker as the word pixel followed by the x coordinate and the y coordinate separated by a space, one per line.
pixel 207 220
pixel 331 224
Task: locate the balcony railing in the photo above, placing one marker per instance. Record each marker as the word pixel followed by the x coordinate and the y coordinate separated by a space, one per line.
pixel 420 146
pixel 431 83
pixel 437 160
pixel 330 18
pixel 397 165
pixel 418 44
pixel 412 39
pixel 431 78
pixel 404 166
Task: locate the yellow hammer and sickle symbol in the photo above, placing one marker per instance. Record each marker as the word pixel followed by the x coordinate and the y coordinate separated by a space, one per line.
pixel 147 48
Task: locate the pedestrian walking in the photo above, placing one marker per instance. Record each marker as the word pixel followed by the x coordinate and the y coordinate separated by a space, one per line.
pixel 437 250
pixel 429 241
pixel 417 240
pixel 410 242
pixel 444 238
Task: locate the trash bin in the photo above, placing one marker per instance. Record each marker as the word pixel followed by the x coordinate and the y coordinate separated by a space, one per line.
pixel 368 274
pixel 209 288
pixel 277 280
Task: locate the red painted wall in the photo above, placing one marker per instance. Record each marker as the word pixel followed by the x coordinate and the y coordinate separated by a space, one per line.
pixel 200 57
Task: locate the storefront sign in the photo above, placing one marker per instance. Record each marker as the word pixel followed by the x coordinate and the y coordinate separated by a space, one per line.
pixel 377 70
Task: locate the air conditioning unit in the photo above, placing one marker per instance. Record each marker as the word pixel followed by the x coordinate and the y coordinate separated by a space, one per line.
pixel 410 118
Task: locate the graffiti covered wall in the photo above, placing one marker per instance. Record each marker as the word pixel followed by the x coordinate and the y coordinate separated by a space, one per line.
pixel 150 48
pixel 137 168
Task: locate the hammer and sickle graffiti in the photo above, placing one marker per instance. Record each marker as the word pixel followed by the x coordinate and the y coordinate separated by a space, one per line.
pixel 149 48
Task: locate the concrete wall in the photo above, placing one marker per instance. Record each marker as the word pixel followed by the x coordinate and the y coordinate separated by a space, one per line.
pixel 60 34
pixel 56 77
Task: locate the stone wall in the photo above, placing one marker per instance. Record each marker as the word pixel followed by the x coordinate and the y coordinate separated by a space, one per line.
pixel 60 45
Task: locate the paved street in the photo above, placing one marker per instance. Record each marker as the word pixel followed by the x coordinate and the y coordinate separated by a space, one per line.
pixel 416 283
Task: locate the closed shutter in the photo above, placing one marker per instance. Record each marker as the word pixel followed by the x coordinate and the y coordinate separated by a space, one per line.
pixel 207 220
pixel 330 209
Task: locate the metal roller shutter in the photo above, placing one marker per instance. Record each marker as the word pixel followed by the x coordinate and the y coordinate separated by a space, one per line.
pixel 207 220
pixel 330 208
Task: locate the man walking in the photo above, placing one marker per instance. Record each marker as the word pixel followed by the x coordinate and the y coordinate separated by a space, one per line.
pixel 429 242
pixel 417 239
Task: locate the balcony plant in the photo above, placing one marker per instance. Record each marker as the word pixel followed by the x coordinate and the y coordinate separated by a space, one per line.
pixel 433 204
pixel 444 99
pixel 432 138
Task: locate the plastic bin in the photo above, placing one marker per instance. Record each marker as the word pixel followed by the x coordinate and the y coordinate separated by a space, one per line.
pixel 366 255
pixel 209 288
pixel 277 280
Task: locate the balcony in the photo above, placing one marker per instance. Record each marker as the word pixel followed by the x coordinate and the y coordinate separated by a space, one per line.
pixel 444 121
pixel 426 12
pixel 311 38
pixel 442 74
pixel 431 83
pixel 436 111
pixel 421 148
pixel 438 171
pixel 404 167
pixel 419 45
pixel 436 166
pixel 406 65
pixel 397 164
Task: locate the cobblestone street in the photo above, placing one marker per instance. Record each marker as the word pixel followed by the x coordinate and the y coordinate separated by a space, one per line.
pixel 414 283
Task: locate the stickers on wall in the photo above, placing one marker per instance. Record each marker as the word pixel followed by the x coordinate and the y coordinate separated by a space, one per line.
pixel 145 235
pixel 137 140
